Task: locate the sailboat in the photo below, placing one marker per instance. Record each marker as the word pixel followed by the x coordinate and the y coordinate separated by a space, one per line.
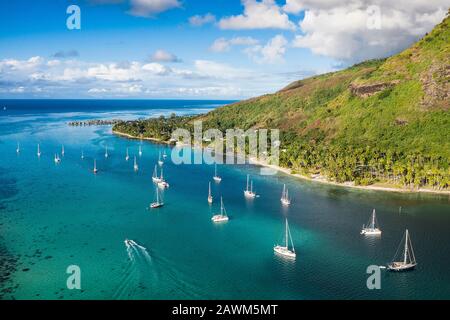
pixel 57 158
pixel 285 196
pixel 140 151
pixel 408 261
pixel 222 217
pixel 135 166
pixel 216 177
pixel 18 147
pixel 95 170
pixel 155 177
pixel 62 150
pixel 82 154
pixel 372 226
pixel 38 151
pixel 284 249
pixel 158 203
pixel 162 183
pixel 160 162
pixel 127 157
pixel 106 152
pixel 210 197
pixel 248 192
pixel 164 154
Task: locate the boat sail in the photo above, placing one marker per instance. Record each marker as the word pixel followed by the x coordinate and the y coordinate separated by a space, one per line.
pixel 127 157
pixel 140 151
pixel 222 217
pixel 408 261
pixel 216 177
pixel 18 147
pixel 135 166
pixel 158 203
pixel 285 196
pixel 210 197
pixel 248 192
pixel 162 183
pixel 38 151
pixel 160 162
pixel 372 226
pixel 106 152
pixel 155 177
pixel 95 170
pixel 284 249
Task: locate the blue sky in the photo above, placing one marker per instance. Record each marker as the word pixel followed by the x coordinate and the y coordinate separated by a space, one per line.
pixel 228 49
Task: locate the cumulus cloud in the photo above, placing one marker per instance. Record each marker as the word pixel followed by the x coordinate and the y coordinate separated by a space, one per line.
pixel 355 30
pixel 150 8
pixel 199 20
pixel 164 56
pixel 272 52
pixel 222 44
pixel 264 14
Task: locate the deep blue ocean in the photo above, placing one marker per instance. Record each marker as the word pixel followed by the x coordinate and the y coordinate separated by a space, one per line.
pixel 56 215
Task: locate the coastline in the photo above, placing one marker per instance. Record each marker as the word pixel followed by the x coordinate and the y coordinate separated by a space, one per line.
pixel 287 171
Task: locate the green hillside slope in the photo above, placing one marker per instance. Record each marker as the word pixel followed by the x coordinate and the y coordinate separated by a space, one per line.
pixel 379 121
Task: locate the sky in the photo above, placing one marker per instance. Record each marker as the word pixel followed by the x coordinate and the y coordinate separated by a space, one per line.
pixel 195 49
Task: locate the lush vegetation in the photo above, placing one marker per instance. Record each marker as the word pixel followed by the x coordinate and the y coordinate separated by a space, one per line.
pixel 379 121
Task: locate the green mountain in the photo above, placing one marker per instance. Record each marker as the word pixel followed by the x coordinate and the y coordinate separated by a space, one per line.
pixel 380 121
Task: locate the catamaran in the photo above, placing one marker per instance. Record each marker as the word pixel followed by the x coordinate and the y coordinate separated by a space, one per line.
pixel 160 162
pixel 155 177
pixel 57 158
pixel 106 152
pixel 285 196
pixel 222 217
pixel 135 166
pixel 408 260
pixel 372 226
pixel 38 151
pixel 162 183
pixel 140 151
pixel 210 197
pixel 62 150
pixel 18 147
pixel 158 203
pixel 95 170
pixel 284 250
pixel 216 177
pixel 248 192
pixel 127 157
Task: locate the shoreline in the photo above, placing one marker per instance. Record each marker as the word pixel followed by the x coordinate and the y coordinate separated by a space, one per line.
pixel 287 171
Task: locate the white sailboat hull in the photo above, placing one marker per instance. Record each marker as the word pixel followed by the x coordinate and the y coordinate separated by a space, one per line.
pixel 401 266
pixel 156 180
pixel 160 163
pixel 249 194
pixel 285 202
pixel 210 199
pixel 285 252
pixel 219 218
pixel 371 232
pixel 163 184
pixel 155 205
pixel 217 179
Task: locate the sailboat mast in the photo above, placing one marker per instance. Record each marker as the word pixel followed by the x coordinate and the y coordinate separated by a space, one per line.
pixel 209 190
pixel 287 235
pixel 373 219
pixel 247 181
pixel 406 247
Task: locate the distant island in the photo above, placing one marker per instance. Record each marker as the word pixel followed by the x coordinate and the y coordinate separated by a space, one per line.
pixel 382 123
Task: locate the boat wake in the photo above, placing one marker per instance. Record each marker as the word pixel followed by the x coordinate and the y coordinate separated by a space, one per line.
pixel 147 276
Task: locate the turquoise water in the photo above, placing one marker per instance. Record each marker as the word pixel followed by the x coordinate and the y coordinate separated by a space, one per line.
pixel 53 216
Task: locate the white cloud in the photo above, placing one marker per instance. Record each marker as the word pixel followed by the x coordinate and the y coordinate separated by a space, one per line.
pixel 198 20
pixel 222 44
pixel 150 8
pixel 164 56
pixel 264 14
pixel 272 52
pixel 343 30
